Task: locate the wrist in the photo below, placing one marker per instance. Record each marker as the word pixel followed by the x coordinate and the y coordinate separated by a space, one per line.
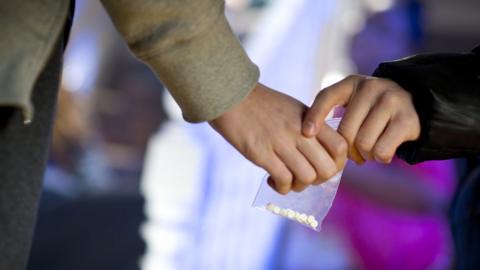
pixel 240 107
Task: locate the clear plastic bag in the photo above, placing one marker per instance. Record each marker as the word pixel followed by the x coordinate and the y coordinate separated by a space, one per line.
pixel 308 207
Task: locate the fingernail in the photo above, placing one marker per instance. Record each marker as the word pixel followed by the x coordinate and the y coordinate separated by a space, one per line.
pixel 309 128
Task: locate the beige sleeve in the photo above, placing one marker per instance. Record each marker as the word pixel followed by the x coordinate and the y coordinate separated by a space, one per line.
pixel 190 46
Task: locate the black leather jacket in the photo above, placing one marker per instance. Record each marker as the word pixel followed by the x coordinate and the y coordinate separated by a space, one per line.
pixel 446 94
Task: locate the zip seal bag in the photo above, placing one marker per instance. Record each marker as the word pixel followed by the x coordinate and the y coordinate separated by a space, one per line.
pixel 308 207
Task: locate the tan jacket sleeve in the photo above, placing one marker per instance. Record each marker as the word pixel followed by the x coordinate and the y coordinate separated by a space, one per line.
pixel 190 46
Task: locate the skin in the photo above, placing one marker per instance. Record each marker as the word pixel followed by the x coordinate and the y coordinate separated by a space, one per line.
pixel 266 129
pixel 379 116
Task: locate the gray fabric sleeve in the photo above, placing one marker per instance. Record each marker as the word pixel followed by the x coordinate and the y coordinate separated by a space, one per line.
pixel 190 46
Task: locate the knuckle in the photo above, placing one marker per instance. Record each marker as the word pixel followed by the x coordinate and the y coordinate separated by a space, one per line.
pixel 364 86
pixel 252 153
pixel 371 84
pixel 324 94
pixel 402 93
pixel 386 82
pixel 351 77
pixel 389 98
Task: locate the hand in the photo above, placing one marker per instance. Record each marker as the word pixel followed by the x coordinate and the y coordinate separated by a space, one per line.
pixel 266 129
pixel 379 116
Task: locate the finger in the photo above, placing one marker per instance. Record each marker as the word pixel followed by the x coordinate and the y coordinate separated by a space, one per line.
pixel 319 158
pixel 373 127
pixel 335 144
pixel 298 186
pixel 355 155
pixel 395 134
pixel 336 94
pixel 280 178
pixel 303 172
pixel 357 110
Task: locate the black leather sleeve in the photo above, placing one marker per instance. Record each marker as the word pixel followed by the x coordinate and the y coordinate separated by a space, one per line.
pixel 446 94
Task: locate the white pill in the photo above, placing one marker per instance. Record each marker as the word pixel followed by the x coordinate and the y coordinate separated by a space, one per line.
pixel 270 207
pixel 283 212
pixel 276 210
pixel 314 224
pixel 311 219
pixel 290 214
pixel 297 217
pixel 303 218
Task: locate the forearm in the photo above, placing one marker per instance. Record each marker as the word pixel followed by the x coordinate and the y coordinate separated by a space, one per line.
pixel 446 94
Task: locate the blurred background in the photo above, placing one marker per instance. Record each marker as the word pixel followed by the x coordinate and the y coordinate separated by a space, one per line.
pixel 130 185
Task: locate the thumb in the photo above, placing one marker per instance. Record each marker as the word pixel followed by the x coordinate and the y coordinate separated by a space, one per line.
pixel 334 95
